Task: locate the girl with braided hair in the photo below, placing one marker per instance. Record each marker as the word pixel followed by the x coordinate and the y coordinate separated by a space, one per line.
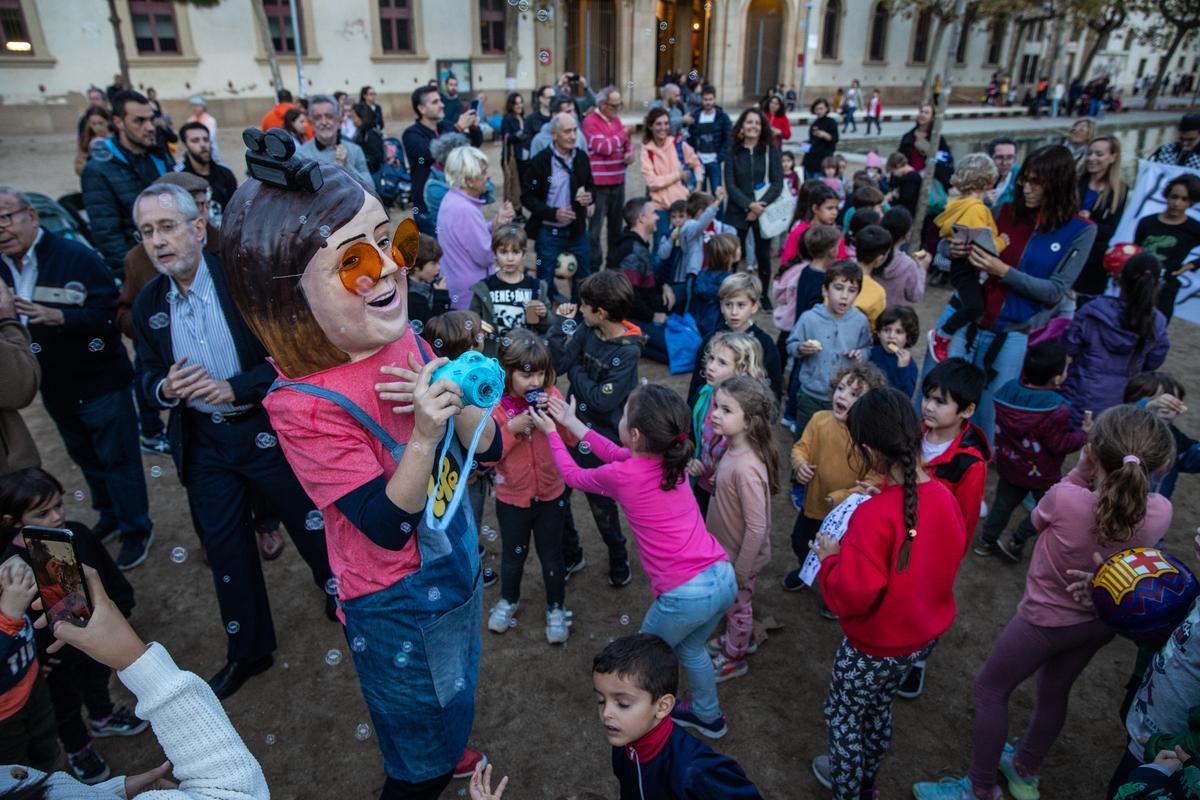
pixel 891 582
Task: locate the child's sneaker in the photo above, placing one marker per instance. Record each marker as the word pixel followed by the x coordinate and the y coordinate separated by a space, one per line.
pixel 1009 551
pixel 792 582
pixel 985 548
pixel 914 682
pixel 619 575
pixel 501 617
pixel 797 492
pixel 558 625
pixel 683 715
pixel 575 566
pixel 465 767
pixel 788 423
pixel 726 668
pixel 1019 786
pixel 950 789
pixel 822 771
pixel 121 722
pixel 826 612
pixel 939 345
pixel 716 646
pixel 489 576
pixel 88 767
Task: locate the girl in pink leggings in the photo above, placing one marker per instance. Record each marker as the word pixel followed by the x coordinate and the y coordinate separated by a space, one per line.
pixel 1105 505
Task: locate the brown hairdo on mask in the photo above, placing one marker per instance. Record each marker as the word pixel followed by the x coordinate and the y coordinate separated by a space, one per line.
pixel 268 233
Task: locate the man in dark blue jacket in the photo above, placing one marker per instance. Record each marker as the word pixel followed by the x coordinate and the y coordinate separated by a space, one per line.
pixel 118 169
pixel 68 299
pixel 710 136
pixel 202 362
pixel 431 123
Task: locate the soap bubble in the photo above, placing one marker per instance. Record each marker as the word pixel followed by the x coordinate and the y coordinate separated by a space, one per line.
pixel 518 550
pixel 662 48
pixel 303 219
pixel 543 15
pixel 78 496
pixel 624 619
pixel 265 441
pixel 407 647
pixel 35 348
pixel 405 527
pixel 662 26
pixel 569 326
pixel 523 5
pixel 583 406
pixel 694 75
pixel 159 321
pixel 437 343
pixel 585 448
pixel 156 472
pixel 671 40
pixel 333 657
pixel 331 586
pixel 224 579
pixel 416 326
pixel 363 731
pixel 488 533
pixel 401 660
pixel 645 381
pixel 218 417
pixel 179 555
pixel 324 231
pixel 616 361
pixel 96 345
pixel 358 644
pixel 505 342
pixel 315 521
pixel 629 84
pixel 468 324
pixel 233 627
pixel 512 622
pixel 270 738
pixel 435 594
pixel 527 368
pixel 459 685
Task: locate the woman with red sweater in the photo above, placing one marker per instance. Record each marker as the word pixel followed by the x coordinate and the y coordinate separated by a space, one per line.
pixel 891 582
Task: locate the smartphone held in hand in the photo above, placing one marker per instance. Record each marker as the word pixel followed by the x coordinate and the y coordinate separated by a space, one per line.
pixel 59 574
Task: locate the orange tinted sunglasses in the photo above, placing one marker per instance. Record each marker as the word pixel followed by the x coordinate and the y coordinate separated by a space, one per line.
pixel 362 264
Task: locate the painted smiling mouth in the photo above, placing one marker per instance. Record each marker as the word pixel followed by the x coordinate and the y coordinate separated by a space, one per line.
pixel 383 301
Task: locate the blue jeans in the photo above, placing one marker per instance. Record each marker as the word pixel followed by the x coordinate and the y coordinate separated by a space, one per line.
pixel 849 122
pixel 552 241
pixel 101 436
pixel 712 176
pixel 684 617
pixel 1007 366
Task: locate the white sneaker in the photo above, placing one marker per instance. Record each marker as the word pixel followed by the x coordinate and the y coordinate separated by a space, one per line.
pixel 558 625
pixel 501 617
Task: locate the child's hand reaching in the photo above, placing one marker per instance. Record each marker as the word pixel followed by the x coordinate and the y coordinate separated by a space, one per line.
pixel 1081 589
pixel 695 468
pixel 805 473
pixel 566 310
pixel 535 310
pixel 855 355
pixel 1166 407
pixel 563 413
pixel 719 194
pixel 17 587
pixel 522 424
pixel 481 784
pixel 541 420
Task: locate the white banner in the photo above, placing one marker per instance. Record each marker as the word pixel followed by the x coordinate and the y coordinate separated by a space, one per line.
pixel 1146 198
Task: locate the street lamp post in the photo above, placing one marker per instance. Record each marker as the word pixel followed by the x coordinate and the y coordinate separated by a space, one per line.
pixel 299 48
pixel 808 9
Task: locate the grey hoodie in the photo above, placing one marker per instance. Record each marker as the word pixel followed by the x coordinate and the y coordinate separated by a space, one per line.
pixel 837 337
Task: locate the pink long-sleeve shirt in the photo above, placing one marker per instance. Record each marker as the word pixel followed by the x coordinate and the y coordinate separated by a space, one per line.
pixel 1064 520
pixel 673 542
pixel 607 143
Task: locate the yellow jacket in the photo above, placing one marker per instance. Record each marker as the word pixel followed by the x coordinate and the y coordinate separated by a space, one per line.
pixel 871 300
pixel 826 445
pixel 968 211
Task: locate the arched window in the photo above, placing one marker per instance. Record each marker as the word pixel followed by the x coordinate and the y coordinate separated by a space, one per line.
pixel 831 28
pixel 920 51
pixel 877 49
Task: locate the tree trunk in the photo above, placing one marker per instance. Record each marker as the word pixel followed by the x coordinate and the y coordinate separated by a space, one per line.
pixel 122 59
pixel 935 135
pixel 934 51
pixel 1092 50
pixel 1152 97
pixel 512 53
pixel 264 35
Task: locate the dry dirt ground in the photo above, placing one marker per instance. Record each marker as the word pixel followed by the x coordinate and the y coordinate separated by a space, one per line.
pixel 536 715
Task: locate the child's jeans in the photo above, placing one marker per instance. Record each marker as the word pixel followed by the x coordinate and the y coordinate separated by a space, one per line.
pixel 1058 656
pixel 684 617
pixel 739 622
pixel 858 714
pixel 545 519
pixel 1008 498
pixel 874 120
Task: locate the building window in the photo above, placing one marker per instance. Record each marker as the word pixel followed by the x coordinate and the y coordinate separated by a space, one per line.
pixel 154 29
pixel 1129 37
pixel 14 31
pixel 877 49
pixel 920 51
pixel 830 28
pixel 996 39
pixel 395 26
pixel 279 23
pixel 491 26
pixel 1141 68
pixel 960 52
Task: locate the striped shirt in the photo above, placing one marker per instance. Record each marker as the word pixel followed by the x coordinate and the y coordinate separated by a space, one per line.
pixel 200 332
pixel 607 143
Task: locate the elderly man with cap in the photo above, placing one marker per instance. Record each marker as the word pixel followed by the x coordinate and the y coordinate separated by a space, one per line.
pixel 139 271
pixel 1186 151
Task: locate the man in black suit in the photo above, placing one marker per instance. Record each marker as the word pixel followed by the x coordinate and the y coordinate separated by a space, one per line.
pixel 202 362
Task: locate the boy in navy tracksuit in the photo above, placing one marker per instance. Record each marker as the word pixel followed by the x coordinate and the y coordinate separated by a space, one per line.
pixel 636 680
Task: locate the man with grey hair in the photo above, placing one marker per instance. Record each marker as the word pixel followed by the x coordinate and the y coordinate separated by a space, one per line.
pixel 201 362
pixel 558 194
pixel 66 296
pixel 670 99
pixel 610 151
pixel 327 145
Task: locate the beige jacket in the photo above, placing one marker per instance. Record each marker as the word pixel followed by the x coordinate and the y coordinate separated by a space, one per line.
pixel 22 376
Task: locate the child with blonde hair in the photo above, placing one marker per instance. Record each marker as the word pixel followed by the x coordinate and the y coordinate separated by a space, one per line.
pixel 973 177
pixel 740 519
pixel 728 355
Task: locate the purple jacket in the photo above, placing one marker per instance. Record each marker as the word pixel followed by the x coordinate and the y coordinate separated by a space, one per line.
pixel 466 240
pixel 1104 356
pixel 1033 435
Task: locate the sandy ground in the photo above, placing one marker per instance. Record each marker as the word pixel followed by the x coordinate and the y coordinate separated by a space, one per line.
pixel 536 716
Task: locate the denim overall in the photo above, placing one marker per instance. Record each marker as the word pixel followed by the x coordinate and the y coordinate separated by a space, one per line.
pixel 420 663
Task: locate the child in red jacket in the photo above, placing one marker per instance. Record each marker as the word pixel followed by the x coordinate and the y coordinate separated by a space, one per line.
pixel 1033 436
pixel 891 583
pixel 954 452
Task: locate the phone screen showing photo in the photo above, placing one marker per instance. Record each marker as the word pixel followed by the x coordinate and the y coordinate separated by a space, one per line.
pixel 59 578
